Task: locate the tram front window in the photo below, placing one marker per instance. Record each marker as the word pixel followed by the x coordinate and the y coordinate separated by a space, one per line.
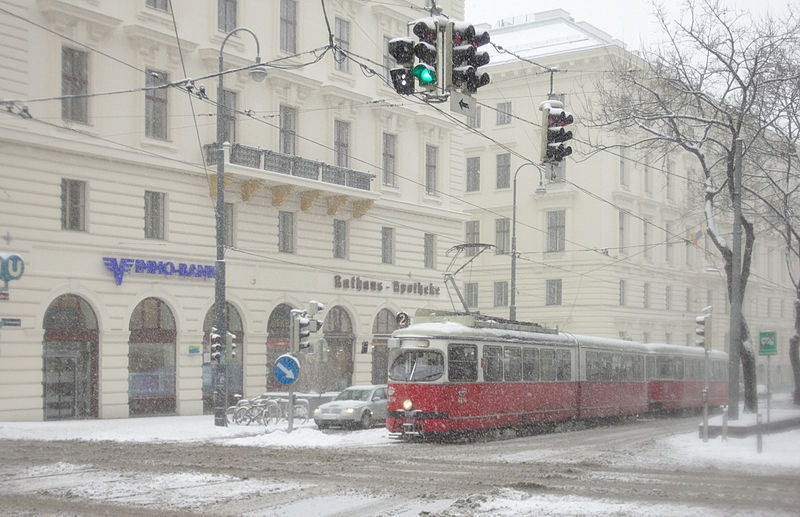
pixel 416 365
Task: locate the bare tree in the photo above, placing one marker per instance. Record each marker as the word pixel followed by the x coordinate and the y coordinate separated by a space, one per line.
pixel 699 93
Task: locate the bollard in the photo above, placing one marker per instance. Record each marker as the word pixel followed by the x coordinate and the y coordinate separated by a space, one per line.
pixel 724 423
pixel 759 440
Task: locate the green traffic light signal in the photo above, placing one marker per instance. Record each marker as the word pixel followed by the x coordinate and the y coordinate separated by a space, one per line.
pixel 424 73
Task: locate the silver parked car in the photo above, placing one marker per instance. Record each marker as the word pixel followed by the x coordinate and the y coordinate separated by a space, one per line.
pixel 357 405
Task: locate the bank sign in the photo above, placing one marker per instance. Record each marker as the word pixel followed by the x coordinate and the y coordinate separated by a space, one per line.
pixel 120 266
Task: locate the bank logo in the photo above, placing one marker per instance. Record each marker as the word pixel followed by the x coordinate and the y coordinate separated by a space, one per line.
pixel 118 267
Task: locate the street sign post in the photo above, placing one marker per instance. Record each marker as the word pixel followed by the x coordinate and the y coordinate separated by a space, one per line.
pixel 768 346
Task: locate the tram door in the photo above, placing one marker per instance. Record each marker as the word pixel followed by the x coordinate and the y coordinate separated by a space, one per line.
pixel 60 387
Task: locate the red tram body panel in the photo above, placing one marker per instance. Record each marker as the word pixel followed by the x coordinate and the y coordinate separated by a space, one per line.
pixel 455 372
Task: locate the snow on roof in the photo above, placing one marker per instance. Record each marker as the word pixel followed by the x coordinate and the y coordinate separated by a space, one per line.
pixel 542 34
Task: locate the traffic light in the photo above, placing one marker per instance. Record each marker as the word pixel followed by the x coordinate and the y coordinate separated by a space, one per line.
pixel 703 329
pixel 554 132
pixel 216 345
pixel 306 327
pixel 402 50
pixel 230 347
pixel 480 58
pixel 427 50
pixel 463 53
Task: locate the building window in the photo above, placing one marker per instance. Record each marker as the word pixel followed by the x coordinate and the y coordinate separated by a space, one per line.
pixel 501 294
pixel 554 292
pixel 341 143
pixel 668 241
pixel 74 81
pixel 431 157
pixel 502 235
pixel 229 225
pixel 342 40
pixel 226 15
pixel 472 236
pixel 473 174
pixel 73 205
pixel 471 294
pixel 622 293
pixel 430 251
pixel 339 238
pixel 228 116
pixel 474 122
pixel 387 245
pixel 646 296
pixel 155 101
pixel 504 170
pixel 154 215
pixel 709 298
pixel 623 175
pixel 668 180
pixel 288 30
pixel 645 238
pixel 504 113
pixel 286 232
pixel 648 184
pixel 162 5
pixel 556 223
pixel 389 160
pixel 667 337
pixel 288 129
pixel 688 299
pixel 622 232
pixel 668 299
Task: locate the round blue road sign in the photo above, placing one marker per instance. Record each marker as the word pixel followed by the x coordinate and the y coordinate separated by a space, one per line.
pixel 287 369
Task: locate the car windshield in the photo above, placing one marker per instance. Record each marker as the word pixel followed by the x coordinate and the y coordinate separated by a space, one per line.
pixel 416 365
pixel 351 394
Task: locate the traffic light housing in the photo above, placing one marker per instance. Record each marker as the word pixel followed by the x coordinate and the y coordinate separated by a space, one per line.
pixel 703 329
pixel 216 345
pixel 303 325
pixel 230 346
pixel 427 51
pixel 554 132
pixel 466 58
pixel 402 50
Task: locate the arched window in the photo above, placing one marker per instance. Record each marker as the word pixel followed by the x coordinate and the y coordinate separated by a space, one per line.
pixel 70 359
pixel 151 359
pixel 382 327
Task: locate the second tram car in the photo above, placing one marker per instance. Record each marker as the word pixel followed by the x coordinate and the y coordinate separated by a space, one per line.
pixel 469 372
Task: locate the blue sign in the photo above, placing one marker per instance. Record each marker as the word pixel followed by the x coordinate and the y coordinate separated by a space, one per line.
pixel 11 267
pixel 287 369
pixel 155 267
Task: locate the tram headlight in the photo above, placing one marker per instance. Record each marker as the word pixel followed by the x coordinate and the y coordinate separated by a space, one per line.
pixel 408 405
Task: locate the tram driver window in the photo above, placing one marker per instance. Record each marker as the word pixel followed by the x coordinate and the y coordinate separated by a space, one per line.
pixel 493 364
pixel 462 363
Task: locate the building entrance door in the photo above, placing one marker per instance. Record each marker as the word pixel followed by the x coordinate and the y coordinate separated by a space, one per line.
pixel 60 387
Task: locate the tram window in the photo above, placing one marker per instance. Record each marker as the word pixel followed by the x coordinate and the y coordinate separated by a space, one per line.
pixel 493 364
pixel 462 363
pixel 638 368
pixel 664 367
pixel 416 365
pixel 530 364
pixel 548 364
pixel 627 368
pixel 651 368
pixel 563 365
pixel 512 363
pixel 678 368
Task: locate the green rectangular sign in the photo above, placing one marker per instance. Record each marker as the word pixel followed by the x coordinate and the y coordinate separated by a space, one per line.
pixel 767 343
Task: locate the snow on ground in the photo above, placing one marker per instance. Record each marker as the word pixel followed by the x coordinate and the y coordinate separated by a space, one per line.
pixel 780 452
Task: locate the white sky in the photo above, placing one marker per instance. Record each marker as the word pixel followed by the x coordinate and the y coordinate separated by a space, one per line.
pixel 627 20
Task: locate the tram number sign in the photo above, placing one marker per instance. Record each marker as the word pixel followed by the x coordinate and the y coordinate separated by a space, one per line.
pixel 402 320
pixel 767 343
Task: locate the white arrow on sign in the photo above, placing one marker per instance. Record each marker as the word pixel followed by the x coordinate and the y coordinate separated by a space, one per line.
pixel 288 372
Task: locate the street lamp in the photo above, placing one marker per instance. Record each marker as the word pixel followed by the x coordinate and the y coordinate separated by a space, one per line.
pixel 512 311
pixel 258 73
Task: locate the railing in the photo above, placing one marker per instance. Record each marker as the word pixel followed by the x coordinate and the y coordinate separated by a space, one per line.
pixel 292 165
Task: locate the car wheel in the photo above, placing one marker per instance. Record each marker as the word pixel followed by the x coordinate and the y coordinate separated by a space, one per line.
pixel 320 425
pixel 366 420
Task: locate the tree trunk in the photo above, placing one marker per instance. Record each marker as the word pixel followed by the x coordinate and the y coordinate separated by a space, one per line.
pixel 748 359
pixel 794 346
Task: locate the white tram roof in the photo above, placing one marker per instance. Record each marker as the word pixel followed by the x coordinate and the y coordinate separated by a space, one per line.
pixel 686 351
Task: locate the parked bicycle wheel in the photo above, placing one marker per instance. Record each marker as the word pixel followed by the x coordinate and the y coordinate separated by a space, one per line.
pixel 242 416
pixel 300 414
pixel 272 414
pixel 229 415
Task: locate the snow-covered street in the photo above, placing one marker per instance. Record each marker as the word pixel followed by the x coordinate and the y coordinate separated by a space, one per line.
pixel 186 465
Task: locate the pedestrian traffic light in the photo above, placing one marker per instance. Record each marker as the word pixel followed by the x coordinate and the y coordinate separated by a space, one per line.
pixel 554 132
pixel 402 50
pixel 216 345
pixel 427 51
pixel 703 329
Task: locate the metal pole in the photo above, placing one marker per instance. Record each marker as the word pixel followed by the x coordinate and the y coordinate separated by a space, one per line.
pixel 705 395
pixel 736 281
pixel 221 380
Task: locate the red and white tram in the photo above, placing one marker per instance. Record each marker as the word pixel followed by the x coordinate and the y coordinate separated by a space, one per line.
pixel 469 372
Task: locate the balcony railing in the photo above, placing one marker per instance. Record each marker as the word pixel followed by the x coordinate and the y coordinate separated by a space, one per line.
pixel 292 165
